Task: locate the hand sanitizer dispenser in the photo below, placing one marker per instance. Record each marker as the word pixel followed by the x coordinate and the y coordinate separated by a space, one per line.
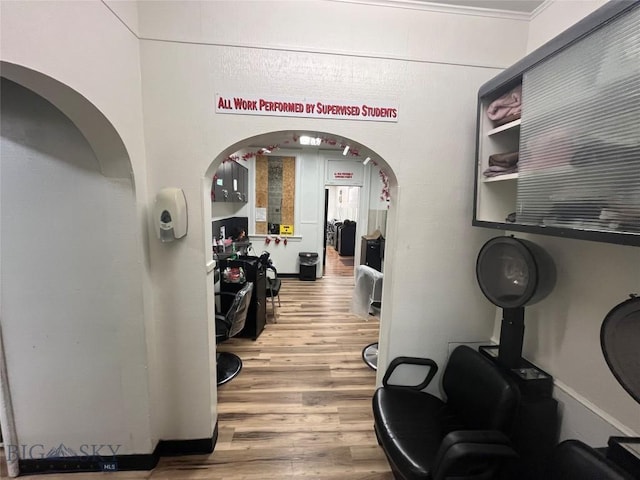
pixel 170 214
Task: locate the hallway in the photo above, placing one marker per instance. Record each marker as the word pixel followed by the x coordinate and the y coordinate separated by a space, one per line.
pixel 301 407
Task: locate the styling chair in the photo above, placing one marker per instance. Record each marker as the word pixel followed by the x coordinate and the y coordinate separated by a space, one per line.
pixel 273 289
pixel 465 437
pixel 273 283
pixel 331 232
pixel 367 300
pixel 575 460
pixel 346 240
pixel 228 365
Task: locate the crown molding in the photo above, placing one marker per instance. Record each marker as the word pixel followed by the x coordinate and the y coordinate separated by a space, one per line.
pixel 541 8
pixel 442 8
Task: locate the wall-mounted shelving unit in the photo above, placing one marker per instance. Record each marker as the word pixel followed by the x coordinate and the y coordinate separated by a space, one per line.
pixel 578 137
pixel 496 195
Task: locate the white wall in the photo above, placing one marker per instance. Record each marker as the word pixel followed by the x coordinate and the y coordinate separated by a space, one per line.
pixel 430 149
pixel 555 16
pixel 378 206
pixel 97 58
pixel 343 202
pixel 429 63
pixel 332 203
pixel 72 315
pixel 563 331
pixel 422 63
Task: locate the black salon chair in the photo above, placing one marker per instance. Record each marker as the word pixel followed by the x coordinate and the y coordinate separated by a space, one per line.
pixel 464 437
pixel 346 239
pixel 273 288
pixel 228 365
pixel 575 460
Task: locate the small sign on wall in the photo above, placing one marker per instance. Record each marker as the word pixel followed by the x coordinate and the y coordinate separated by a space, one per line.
pixel 344 172
pixel 286 229
pixel 261 214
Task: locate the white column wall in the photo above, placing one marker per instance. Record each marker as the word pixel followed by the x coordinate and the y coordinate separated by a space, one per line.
pixel 563 331
pixel 429 63
pixel 72 316
pixel 430 150
pixel 83 45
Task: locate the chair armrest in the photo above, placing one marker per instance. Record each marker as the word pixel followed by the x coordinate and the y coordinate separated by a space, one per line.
pixel 470 450
pixel 396 362
pixel 223 320
pixel 273 269
pixel 225 294
pixel 221 317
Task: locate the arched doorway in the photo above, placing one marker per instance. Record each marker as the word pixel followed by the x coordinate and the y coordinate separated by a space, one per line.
pixel 72 301
pixel 311 169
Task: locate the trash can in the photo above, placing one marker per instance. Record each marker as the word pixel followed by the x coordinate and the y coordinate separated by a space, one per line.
pixel 308 262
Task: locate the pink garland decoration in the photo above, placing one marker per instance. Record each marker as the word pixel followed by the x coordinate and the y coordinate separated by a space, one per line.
pixel 385 195
pixel 386 192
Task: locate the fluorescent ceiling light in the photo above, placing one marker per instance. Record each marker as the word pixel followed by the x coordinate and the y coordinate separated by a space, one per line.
pixel 306 140
pixel 346 150
pixel 366 160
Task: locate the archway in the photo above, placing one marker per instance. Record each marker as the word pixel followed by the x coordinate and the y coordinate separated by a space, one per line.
pixel 72 308
pixel 309 223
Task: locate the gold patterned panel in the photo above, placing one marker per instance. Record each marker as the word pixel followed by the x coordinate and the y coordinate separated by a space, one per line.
pixel 262 190
pixel 288 190
pixel 287 212
pixel 262 181
pixel 261 228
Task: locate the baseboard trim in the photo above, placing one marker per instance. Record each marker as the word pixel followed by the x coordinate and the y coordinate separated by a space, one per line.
pixel 584 420
pixel 164 448
pixel 288 275
pixel 87 464
pixel 176 448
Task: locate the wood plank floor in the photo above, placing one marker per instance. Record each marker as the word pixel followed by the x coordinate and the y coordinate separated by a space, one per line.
pixel 301 407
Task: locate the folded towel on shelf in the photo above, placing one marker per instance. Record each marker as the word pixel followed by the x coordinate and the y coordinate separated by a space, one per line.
pixel 495 171
pixel 508 105
pixel 507 119
pixel 504 159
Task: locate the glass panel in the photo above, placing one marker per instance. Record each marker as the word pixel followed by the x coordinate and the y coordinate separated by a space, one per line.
pixel 579 161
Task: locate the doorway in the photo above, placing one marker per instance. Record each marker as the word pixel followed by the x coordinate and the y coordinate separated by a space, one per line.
pixel 320 161
pixel 342 207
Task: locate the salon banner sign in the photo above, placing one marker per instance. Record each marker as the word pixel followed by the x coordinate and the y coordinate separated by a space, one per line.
pixel 305 107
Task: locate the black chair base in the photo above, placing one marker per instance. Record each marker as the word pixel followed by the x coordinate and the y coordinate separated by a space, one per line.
pixel 575 460
pixel 370 355
pixel 228 366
